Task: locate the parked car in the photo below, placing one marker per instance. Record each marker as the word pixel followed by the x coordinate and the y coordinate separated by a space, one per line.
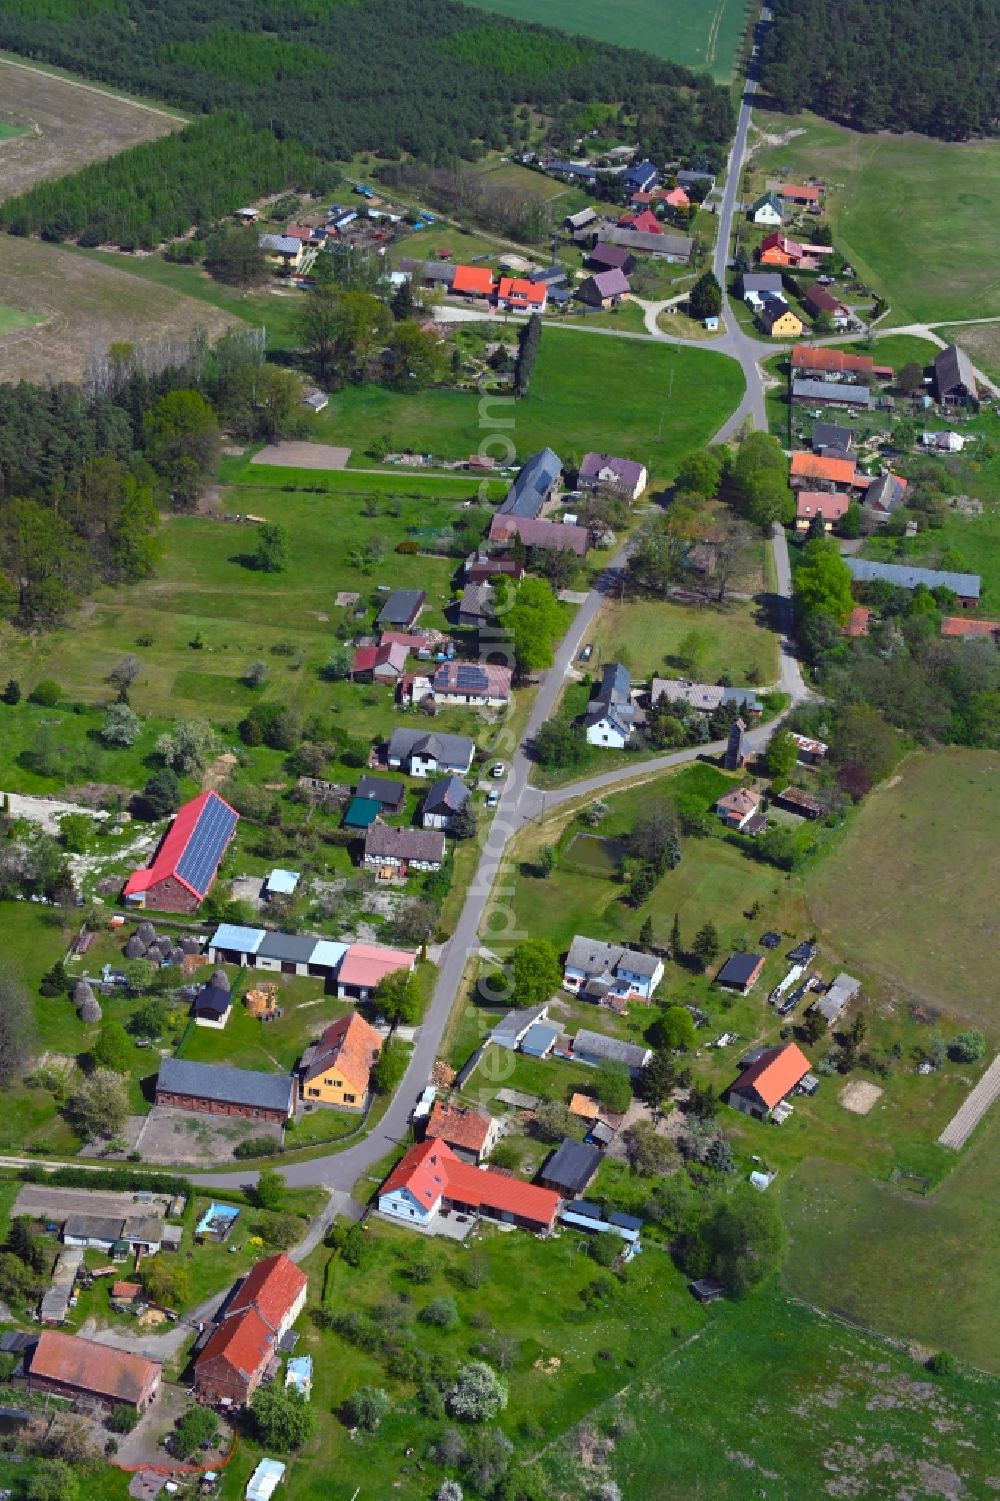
pixel 587 653
pixel 498 769
pixel 493 799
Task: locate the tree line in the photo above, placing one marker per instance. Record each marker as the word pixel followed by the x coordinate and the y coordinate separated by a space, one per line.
pixel 926 65
pixel 158 190
pixel 427 78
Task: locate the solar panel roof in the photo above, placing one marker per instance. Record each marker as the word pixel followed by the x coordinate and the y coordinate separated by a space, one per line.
pixel 207 844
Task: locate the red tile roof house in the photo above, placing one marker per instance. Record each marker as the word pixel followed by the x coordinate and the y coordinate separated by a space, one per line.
pixel 187 861
pixel 69 1366
pixel 826 503
pixel 430 1181
pixel 232 1364
pixel 645 222
pixel 834 473
pixel 768 1080
pixel 553 536
pixel 955 628
pixel 471 1134
pixel 379 664
pixel 832 361
pixel 519 295
pixel 793 192
pixel 858 622
pixel 819 300
pixel 738 807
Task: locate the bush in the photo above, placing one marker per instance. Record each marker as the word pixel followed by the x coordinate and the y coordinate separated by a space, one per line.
pixel 123 1419
pixel 967 1047
pixel 47 693
pixel 407 547
pixel 478 1394
pixel 366 1408
pixel 441 1312
pixel 198 1426
pixel 256 1146
pixel 282 1420
pixel 943 1363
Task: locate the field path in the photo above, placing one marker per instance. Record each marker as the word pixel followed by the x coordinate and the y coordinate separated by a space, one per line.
pixel 93 88
pixel 972 1109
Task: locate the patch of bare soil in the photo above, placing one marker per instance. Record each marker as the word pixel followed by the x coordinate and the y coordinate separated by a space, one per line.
pixel 219 771
pixel 860 1096
pixel 303 456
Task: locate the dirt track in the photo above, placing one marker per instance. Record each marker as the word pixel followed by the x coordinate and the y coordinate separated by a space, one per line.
pixel 972 1109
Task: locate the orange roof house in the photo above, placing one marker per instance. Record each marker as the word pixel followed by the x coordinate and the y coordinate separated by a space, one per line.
pixel 516 292
pixel 956 628
pixel 794 192
pixel 677 198
pixel 813 466
pixel 858 622
pixel 431 1178
pixel 336 1069
pixel 583 1106
pixel 476 281
pixel 70 1366
pixel 768 1079
pixel 471 1134
pixel 778 250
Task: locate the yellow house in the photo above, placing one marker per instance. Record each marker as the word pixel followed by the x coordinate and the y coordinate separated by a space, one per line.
pixel 336 1069
pixel 779 321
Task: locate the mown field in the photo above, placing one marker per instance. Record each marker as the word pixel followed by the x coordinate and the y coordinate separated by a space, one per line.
pixel 698 36
pixel 851 1238
pixel 667 401
pixel 909 893
pixel 80 306
pixel 943 266
pixel 57 126
pixel 646 634
pixel 982 344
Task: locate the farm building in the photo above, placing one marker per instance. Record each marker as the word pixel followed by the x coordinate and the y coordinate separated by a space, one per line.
pixel 810 752
pixel 186 863
pixel 794 800
pixel 705 697
pixel 793 192
pixel 536 483
pixel 604 289
pixel 902 576
pixel 838 995
pixel 833 441
pixel 401 609
pixel 361 813
pixel 831 393
pixel 232 1364
pixel 365 964
pixel 392 853
pixel 570 1168
pixel 740 972
pixel 768 1080
pixel 217 1090
pixel 954 628
pixel 511 1030
pixel 430 753
pixel 430 1180
pixel 388 794
pixel 385 663
pixel 640 177
pixel 471 1134
pixel 609 973
pixel 667 247
pixel 68 1366
pixel 883 496
pixel 605 257
pixel 472 281
pixel 336 1068
pixel 623 477
pixel 833 473
pixel 213 1004
pixel 595 1048
pixel 954 378
pixel 835 362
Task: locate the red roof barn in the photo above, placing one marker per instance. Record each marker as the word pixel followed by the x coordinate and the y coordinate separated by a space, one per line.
pixel 187 860
pixel 232 1364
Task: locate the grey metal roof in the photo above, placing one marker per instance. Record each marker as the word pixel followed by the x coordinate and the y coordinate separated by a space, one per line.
pixel 280 244
pixel 289 948
pixel 761 281
pixel 687 178
pixel 447 796
pixel 233 1086
pixel 596 958
pixel 571 1166
pixel 616 683
pixel 738 969
pixel 93 1227
pixel 863 571
pixel 601 1046
pixel 953 368
pixel 531 488
pixel 885 494
pixel 841 391
pixel 638 239
pixel 382 790
pixel 516 1023
pixel 401 607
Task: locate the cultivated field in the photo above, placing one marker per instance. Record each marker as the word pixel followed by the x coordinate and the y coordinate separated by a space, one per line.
pixel 944 265
pixel 701 36
pixel 64 125
pixel 921 1268
pixel 84 305
pixel 981 341
pixel 910 892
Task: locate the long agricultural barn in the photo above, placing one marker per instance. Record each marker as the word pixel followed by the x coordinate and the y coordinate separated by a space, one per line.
pixel 217 1090
pixel 188 859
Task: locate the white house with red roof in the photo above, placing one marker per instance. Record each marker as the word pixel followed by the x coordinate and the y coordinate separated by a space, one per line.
pixel 187 861
pixel 430 1180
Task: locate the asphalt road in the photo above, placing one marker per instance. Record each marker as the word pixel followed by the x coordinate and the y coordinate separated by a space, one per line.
pixel 484 911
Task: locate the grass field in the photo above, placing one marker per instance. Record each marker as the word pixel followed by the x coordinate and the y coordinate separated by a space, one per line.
pixel 944 265
pixel 981 342
pixel 86 306
pixel 943 1242
pixel 667 402
pixel 60 126
pixel 524 181
pixel 907 892
pixel 773 1400
pixel 14 317
pixel 644 634
pixel 704 37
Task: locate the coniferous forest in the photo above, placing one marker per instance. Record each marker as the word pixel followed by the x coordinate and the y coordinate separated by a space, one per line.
pixel 931 66
pixel 425 77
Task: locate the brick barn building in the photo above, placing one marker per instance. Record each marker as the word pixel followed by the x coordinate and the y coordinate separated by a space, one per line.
pixel 232 1364
pixel 72 1367
pixel 187 860
pixel 218 1090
